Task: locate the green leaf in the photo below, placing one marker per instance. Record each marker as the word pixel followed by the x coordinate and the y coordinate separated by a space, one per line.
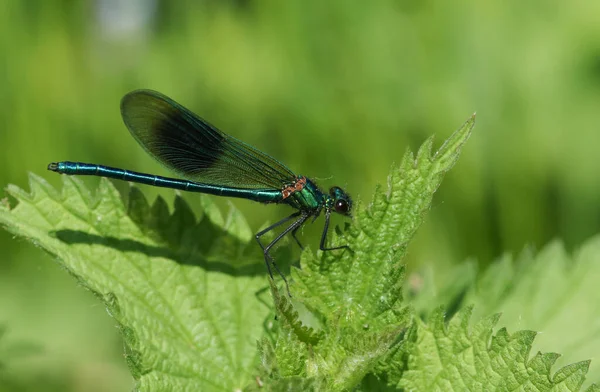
pixel 550 291
pixel 181 291
pixel 370 275
pixel 356 295
pixel 454 357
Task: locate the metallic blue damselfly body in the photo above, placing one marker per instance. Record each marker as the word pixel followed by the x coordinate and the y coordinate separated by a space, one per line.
pixel 212 162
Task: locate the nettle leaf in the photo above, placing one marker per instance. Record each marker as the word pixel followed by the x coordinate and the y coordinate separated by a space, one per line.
pixel 550 291
pixel 370 275
pixel 454 357
pixel 182 291
pixel 356 294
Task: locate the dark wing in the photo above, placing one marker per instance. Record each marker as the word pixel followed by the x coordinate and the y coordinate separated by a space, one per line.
pixel 194 149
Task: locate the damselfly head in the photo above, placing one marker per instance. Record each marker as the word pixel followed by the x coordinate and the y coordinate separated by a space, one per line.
pixel 342 203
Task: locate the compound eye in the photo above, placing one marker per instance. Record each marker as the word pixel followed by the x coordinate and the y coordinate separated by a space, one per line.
pixel 341 206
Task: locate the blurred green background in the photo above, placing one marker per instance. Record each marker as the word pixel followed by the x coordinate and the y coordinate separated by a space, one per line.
pixel 337 90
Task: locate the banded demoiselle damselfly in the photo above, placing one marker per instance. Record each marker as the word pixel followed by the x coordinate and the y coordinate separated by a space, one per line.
pixel 215 163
